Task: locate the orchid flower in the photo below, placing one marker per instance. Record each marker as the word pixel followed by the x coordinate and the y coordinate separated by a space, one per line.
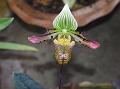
pixel 64 33
pixel 64 36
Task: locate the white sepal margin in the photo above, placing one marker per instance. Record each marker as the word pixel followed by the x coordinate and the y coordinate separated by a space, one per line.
pixel 65 20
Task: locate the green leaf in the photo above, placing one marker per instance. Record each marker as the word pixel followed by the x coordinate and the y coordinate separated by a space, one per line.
pixel 65 20
pixel 69 2
pixel 14 46
pixel 23 81
pixel 4 22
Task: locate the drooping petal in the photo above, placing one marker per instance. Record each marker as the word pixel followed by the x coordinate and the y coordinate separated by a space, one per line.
pixel 38 39
pixel 44 37
pixel 86 42
pixel 65 20
pixel 92 44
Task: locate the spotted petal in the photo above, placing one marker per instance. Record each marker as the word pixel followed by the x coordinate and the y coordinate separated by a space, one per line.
pixel 38 39
pixel 65 20
pixel 41 38
pixel 86 42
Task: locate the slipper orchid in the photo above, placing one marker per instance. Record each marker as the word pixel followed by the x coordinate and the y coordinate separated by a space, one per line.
pixel 64 36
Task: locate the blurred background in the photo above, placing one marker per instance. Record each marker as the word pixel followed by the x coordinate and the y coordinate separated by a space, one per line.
pixel 100 65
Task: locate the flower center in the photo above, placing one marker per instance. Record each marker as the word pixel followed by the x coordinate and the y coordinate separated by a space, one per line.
pixel 64 31
pixel 64 40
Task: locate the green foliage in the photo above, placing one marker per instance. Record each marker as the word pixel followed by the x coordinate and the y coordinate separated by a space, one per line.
pixel 4 22
pixel 15 46
pixel 23 81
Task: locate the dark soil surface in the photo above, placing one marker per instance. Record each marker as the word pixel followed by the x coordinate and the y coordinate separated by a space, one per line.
pixel 55 6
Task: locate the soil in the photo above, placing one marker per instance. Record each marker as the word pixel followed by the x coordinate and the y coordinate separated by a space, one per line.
pixel 52 6
pixel 55 6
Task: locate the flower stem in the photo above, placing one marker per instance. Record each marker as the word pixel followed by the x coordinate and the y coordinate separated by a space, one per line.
pixel 61 76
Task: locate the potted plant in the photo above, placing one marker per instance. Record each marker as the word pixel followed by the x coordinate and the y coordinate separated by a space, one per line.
pixel 64 36
pixel 65 26
pixel 42 12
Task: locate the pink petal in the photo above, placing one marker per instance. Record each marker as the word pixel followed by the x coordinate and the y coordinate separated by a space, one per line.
pixel 93 44
pixel 37 39
pixel 34 39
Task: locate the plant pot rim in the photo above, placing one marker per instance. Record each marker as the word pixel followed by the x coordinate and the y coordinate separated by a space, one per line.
pixel 83 16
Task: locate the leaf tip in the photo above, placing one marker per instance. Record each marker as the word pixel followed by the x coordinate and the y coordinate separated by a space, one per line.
pixel 12 19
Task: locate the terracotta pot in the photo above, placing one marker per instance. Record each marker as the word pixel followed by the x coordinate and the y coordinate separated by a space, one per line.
pixel 83 16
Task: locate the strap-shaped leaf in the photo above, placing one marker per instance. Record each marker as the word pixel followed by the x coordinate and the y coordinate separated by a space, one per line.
pixel 4 22
pixel 65 20
pixel 23 81
pixel 14 46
